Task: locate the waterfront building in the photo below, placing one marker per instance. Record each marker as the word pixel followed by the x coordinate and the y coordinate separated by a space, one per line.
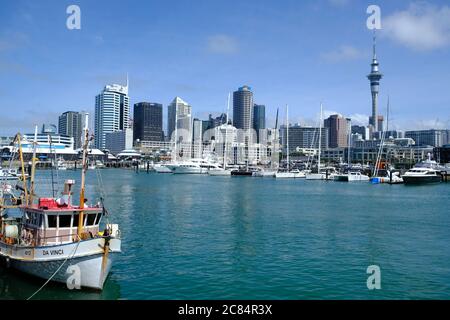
pixel 112 112
pixel 49 146
pixel 243 108
pixel 374 78
pixel 338 130
pixel 118 141
pixel 70 124
pixel 303 137
pixel 442 154
pixel 432 137
pixel 148 121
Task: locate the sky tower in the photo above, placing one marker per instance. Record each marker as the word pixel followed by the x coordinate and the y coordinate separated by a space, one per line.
pixel 374 78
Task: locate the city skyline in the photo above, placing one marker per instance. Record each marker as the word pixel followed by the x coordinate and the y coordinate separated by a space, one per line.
pixel 329 66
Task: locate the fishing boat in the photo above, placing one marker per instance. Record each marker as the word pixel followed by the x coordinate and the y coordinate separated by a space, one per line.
pixel 52 237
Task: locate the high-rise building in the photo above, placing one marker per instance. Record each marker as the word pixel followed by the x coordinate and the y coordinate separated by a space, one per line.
pixel 337 131
pixel 148 121
pixel 112 112
pixel 259 118
pixel 70 124
pixel 243 108
pixel 374 78
pixel 180 115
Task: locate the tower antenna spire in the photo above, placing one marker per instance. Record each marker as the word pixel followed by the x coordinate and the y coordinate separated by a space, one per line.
pixel 374 44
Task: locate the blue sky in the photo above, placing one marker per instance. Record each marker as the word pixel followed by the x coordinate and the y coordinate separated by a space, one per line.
pixel 289 51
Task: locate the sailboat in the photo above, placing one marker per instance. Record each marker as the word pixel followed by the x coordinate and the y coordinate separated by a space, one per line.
pixel 322 173
pixel 54 238
pixel 218 171
pixel 270 172
pixel 288 174
pixel 382 172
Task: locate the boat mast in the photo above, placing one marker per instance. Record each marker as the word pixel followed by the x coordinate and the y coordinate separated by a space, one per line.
pixel 287 136
pixel 320 137
pixel 24 178
pixel 83 178
pixel 226 133
pixel 33 165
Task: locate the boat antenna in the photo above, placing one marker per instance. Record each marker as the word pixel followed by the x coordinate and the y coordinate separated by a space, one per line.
pixel 83 177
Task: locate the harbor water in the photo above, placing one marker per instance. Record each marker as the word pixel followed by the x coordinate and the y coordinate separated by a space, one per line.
pixel 202 237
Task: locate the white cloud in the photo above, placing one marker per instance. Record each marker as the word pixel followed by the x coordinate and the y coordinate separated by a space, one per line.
pixel 222 44
pixel 421 27
pixel 343 53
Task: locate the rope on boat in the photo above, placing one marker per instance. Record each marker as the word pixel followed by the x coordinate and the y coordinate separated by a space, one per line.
pixel 57 270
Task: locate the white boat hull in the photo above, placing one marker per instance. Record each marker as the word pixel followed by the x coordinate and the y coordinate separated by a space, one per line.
pixel 85 257
pixel 264 174
pixel 219 172
pixel 161 169
pixel 289 175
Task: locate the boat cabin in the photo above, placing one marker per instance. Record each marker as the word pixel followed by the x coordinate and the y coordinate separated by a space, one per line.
pixel 49 222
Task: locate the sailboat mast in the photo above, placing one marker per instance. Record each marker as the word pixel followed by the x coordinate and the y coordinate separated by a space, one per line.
pixel 226 133
pixel 287 136
pixel 83 178
pixel 33 165
pixel 320 137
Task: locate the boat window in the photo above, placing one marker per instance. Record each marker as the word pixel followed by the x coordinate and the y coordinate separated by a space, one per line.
pixel 75 220
pixel 91 219
pixel 40 220
pixel 64 220
pixel 52 221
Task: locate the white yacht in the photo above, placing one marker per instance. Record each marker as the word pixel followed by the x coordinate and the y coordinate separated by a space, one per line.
pixel 161 168
pixel 293 174
pixel 352 176
pixel 421 175
pixel 193 166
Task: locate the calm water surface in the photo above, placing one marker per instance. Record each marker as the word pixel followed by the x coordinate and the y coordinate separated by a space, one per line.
pixel 201 237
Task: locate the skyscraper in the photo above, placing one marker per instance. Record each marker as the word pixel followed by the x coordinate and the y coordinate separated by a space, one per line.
pixel 70 124
pixel 179 114
pixel 112 112
pixel 243 108
pixel 259 118
pixel 147 121
pixel 374 78
pixel 337 131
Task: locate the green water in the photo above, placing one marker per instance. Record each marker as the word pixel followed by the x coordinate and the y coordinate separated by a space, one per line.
pixel 201 237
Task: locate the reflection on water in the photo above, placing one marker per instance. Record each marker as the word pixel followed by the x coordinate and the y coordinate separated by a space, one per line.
pixel 201 237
